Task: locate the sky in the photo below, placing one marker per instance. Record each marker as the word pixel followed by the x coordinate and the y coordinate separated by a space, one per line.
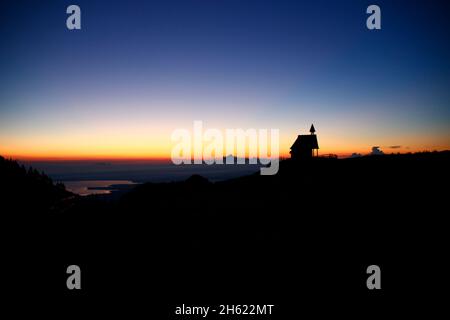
pixel 138 70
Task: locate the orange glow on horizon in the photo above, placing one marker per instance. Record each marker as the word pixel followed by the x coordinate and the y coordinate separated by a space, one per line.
pixel 166 157
pixel 142 143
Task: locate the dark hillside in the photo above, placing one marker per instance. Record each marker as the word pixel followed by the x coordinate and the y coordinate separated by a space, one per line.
pixel 26 191
pixel 312 228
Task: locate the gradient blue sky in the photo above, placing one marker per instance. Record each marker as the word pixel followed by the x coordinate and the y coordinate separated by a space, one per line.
pixel 139 69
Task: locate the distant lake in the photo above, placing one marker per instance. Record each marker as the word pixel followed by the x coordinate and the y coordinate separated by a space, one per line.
pixel 80 175
pixel 88 187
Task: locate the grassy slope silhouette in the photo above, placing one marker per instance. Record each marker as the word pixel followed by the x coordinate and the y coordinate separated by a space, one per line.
pixel 314 227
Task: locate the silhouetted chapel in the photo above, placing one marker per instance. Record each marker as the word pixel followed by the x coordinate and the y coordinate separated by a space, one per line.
pixel 306 146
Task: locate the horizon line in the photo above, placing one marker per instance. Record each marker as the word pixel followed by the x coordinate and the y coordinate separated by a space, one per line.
pixel 168 159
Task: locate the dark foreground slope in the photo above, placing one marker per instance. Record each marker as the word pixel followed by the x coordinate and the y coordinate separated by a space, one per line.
pixel 301 239
pixel 27 191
